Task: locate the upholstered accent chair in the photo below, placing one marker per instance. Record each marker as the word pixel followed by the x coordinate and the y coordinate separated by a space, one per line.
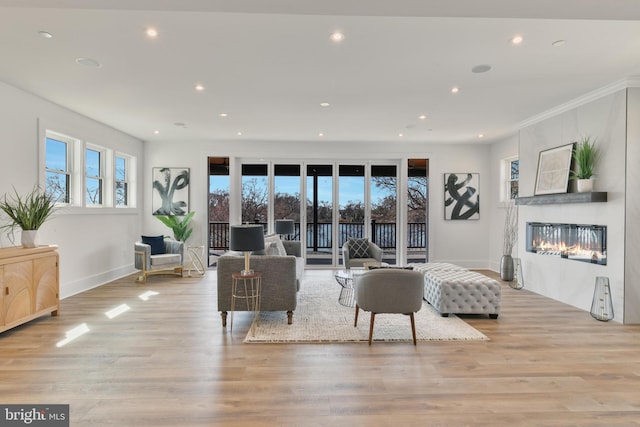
pixel 158 255
pixel 389 291
pixel 357 252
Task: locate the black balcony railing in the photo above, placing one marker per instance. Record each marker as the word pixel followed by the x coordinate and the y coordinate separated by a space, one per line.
pixel 320 235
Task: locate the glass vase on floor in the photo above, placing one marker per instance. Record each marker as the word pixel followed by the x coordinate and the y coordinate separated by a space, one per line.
pixel 518 279
pixel 602 306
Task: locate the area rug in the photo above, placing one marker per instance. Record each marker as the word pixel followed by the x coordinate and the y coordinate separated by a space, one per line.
pixel 319 318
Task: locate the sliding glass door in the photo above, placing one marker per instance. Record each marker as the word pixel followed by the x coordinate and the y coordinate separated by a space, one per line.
pixel 331 202
pixel 384 209
pixel 218 207
pixel 255 196
pixel 319 215
pixel 286 196
pixel 417 209
pixel 351 202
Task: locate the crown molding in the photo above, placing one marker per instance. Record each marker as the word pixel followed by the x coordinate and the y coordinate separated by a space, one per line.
pixel 633 81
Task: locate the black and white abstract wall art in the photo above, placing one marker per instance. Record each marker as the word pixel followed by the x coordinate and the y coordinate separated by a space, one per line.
pixel 461 196
pixel 170 191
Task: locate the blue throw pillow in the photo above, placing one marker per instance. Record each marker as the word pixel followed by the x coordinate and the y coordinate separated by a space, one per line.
pixel 156 243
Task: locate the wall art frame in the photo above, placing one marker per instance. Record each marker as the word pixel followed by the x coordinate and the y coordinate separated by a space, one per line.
pixel 170 191
pixel 554 167
pixel 461 196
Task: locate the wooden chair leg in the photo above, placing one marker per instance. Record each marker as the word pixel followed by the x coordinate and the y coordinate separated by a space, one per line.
pixel 413 328
pixel 355 323
pixel 224 318
pixel 373 317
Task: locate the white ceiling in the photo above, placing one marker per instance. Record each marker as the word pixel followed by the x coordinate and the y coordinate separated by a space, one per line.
pixel 269 64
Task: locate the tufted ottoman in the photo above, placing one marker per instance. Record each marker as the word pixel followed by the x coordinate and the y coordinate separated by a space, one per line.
pixel 423 267
pixel 464 292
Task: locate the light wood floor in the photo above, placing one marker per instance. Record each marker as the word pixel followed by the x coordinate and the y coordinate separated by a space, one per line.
pixel 168 362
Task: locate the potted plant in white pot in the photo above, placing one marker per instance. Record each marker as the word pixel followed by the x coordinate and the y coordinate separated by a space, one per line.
pixel 27 213
pixel 585 157
pixel 510 237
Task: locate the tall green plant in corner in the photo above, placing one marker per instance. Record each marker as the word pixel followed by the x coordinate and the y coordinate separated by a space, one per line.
pixel 180 227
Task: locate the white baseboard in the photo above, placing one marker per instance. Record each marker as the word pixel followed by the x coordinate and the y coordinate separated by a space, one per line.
pixel 78 286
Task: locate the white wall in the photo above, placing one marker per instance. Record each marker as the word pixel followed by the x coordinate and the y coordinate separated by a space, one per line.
pixel 569 281
pixel 632 232
pixel 95 246
pixel 500 150
pixel 463 242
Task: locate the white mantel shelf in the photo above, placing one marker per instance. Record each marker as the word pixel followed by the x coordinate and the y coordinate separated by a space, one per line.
pixel 554 199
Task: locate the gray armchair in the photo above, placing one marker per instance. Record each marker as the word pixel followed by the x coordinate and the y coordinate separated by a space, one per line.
pixel 389 291
pixel 374 254
pixel 170 262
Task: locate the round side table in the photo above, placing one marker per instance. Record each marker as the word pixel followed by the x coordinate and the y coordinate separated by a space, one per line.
pixel 246 287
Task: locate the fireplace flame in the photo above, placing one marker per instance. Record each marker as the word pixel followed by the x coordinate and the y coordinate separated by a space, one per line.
pixel 587 243
pixel 562 249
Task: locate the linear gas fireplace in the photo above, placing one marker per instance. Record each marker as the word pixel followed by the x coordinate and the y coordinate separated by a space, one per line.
pixel 586 243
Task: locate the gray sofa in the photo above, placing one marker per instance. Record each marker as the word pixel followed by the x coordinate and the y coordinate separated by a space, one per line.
pixel 281 277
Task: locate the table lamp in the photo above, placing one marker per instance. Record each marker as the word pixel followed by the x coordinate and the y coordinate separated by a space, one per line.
pixel 246 238
pixel 284 227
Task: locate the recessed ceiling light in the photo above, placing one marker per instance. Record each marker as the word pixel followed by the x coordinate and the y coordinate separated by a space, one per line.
pixel 88 62
pixel 337 36
pixel 239 133
pixel 320 134
pixel 516 40
pixel 482 68
pixel 455 89
pixel 480 135
pixel 400 135
pixel 422 116
pixel 151 33
pixel 45 34
pixel 199 87
pixel 156 132
pixel 223 115
pixel 324 104
pixel 558 43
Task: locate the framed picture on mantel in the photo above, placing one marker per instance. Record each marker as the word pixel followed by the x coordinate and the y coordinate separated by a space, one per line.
pixel 554 166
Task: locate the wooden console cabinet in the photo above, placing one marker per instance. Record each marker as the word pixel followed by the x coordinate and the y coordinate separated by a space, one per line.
pixel 29 284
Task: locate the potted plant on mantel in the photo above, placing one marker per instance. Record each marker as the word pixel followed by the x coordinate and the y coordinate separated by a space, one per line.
pixel 585 157
pixel 510 237
pixel 27 213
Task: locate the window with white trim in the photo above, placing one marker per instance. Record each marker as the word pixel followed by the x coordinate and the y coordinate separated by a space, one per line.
pixel 81 174
pixel 510 178
pixel 121 175
pixel 94 175
pixel 59 167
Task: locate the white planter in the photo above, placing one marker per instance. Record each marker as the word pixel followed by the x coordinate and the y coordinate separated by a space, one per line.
pixel 29 238
pixel 585 185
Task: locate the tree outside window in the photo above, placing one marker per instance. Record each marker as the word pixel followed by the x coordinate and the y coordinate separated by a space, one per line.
pixel 57 170
pixel 93 177
pixel 122 182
